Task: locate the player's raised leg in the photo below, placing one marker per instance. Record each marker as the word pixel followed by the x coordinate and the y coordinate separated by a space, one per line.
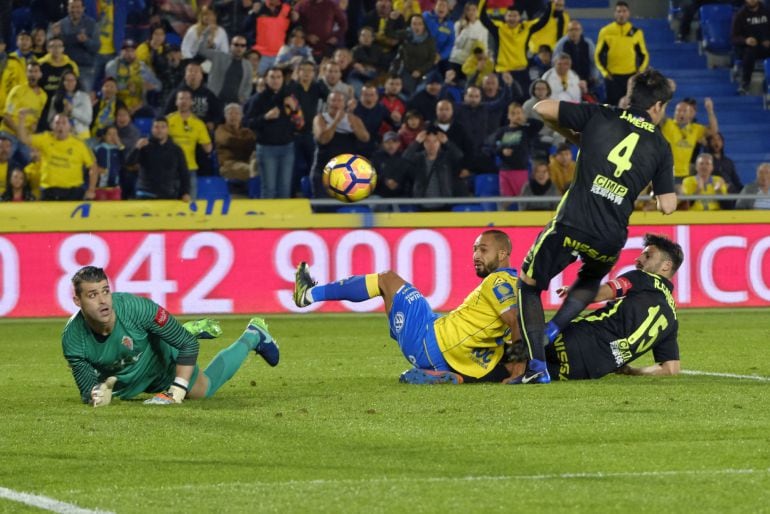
pixel 357 288
pixel 223 366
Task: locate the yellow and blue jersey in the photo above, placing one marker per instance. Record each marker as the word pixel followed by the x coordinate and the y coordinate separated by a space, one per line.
pixel 472 337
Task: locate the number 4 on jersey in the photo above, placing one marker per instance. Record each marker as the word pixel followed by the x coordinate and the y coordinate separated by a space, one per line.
pixel 620 155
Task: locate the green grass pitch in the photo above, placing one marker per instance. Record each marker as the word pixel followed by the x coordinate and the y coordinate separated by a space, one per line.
pixel 331 430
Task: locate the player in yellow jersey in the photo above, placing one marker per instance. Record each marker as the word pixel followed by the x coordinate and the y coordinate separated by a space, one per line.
pixel 467 345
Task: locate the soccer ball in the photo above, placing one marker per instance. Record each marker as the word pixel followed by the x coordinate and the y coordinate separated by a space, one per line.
pixel 349 177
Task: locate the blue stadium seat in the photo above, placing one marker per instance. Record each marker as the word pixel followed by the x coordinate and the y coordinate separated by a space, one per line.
pixel 467 207
pixel 355 209
pixel 255 187
pixel 766 88
pixel 306 187
pixel 212 188
pixel 716 24
pixel 144 125
pixel 487 184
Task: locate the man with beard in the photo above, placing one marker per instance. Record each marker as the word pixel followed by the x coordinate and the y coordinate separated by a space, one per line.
pixel 468 344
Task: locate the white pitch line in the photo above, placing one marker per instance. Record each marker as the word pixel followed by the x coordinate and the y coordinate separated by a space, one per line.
pixel 724 375
pixel 45 503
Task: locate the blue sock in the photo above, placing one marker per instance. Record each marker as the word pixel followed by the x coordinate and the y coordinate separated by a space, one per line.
pixel 355 289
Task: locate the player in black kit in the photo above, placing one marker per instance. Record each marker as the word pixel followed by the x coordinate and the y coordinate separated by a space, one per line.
pixel 621 151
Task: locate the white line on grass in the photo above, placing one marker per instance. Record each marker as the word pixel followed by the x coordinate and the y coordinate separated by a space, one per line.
pixel 470 478
pixel 45 503
pixel 724 375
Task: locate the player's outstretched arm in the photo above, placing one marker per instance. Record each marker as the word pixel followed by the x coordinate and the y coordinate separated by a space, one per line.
pixel 548 110
pixel 661 369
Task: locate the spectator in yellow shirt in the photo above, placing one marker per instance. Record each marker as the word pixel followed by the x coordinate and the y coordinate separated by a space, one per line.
pixel 29 98
pixel 683 134
pixel 704 183
pixel 555 26
pixel 562 167
pixel 187 131
pixel 62 159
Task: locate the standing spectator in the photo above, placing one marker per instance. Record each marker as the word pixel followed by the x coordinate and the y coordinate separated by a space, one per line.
pixel 170 72
pixel 512 148
pixel 230 75
pixel 555 26
pixel 435 164
pixel 373 114
pixel 344 57
pixel 367 60
pixel 234 144
pixel 39 40
pixel 127 131
pixel 474 118
pixel 751 38
pixel 106 105
pixel 29 99
pixel 496 99
pixel 760 187
pixel 62 160
pixel 81 42
pixel 393 101
pixel 325 24
pixel 416 55
pixel 336 131
pixel 17 188
pixel 206 105
pixel 331 77
pixel 561 167
pixel 620 53
pixel 111 17
pixel 162 165
pixel 310 93
pixel 294 51
pixel 723 166
pixel 456 132
pixel 267 25
pixel 386 23
pixel 683 134
pixel 71 100
pixel 469 32
pixel 425 101
pixel 188 131
pixel 512 36
pixel 52 67
pixel 704 182
pixel 413 125
pixel 133 77
pixel 206 33
pixel 565 84
pixel 441 29
pixel 582 50
pixel 548 137
pixel 392 169
pixel 539 185
pixel 269 114
pixel 156 46
pixel 110 181
pixel 478 66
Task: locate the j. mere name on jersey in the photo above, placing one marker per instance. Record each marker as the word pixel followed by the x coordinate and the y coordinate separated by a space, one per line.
pixel 637 121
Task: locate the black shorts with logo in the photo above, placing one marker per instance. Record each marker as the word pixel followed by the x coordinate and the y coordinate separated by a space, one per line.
pixel 558 246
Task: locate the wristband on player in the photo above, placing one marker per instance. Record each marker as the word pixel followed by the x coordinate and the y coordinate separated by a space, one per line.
pixel 178 389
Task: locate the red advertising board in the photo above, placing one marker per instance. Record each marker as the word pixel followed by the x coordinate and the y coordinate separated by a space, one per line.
pixel 251 271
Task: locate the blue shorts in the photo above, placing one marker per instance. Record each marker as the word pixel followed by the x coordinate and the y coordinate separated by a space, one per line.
pixel 411 325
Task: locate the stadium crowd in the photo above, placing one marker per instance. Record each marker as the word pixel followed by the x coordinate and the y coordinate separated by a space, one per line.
pixel 110 100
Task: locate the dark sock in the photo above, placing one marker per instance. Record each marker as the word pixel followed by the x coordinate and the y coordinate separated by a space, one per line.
pixel 580 295
pixel 532 320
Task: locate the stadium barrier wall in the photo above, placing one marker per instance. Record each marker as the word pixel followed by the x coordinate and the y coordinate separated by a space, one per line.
pixel 242 259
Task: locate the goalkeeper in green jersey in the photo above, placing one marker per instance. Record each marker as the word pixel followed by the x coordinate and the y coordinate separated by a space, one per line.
pixel 124 345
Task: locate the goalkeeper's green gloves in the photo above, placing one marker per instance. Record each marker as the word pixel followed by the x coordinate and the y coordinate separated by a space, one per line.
pixel 101 394
pixel 174 394
pixel 204 328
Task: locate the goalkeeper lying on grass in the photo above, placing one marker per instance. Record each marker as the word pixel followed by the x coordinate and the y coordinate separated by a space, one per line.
pixel 124 345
